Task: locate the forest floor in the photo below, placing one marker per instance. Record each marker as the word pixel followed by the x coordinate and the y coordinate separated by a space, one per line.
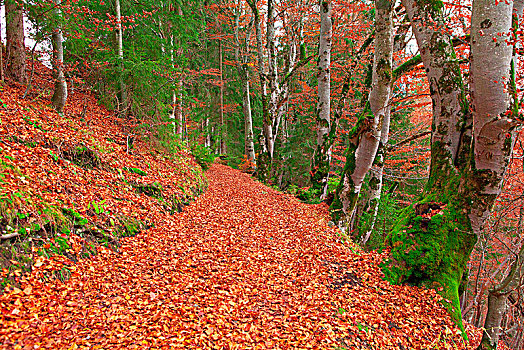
pixel 244 266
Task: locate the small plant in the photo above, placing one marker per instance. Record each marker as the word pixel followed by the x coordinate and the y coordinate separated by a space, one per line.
pixel 307 195
pixel 54 156
pixel 98 207
pixel 76 218
pixel 204 156
pixel 136 171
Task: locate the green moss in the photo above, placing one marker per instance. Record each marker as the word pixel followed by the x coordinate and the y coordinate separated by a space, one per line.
pixel 345 180
pixel 430 247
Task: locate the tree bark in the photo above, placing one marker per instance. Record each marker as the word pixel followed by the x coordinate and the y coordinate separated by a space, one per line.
pixel 376 179
pixel 432 241
pixel 490 62
pixel 272 76
pixel 248 122
pixel 222 147
pixel 243 70
pixel 264 158
pixel 497 303
pixel 16 55
pixel 122 89
pixel 1 57
pixel 60 93
pixel 322 157
pixel 366 135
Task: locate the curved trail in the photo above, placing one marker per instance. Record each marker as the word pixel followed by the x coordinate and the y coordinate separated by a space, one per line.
pixel 243 267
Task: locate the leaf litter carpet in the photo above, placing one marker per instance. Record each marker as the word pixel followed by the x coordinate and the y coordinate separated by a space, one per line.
pixel 243 267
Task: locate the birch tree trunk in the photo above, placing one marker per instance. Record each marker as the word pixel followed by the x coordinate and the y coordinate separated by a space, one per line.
pixel 248 122
pixel 272 76
pixel 366 135
pixel 122 93
pixel 60 93
pixel 322 157
pixel 376 178
pixel 15 48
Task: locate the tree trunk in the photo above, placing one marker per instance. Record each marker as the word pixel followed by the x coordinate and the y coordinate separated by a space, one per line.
pixel 248 122
pixel 207 141
pixel 490 63
pixel 493 139
pixel 177 112
pixel 122 90
pixel 222 149
pixel 243 70
pixel 264 159
pixel 497 303
pixel 272 76
pixel 16 55
pixel 1 57
pixel 322 157
pixel 432 241
pixel 60 94
pixel 365 136
pixel 376 178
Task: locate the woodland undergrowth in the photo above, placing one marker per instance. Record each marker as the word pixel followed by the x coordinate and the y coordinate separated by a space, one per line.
pixel 72 183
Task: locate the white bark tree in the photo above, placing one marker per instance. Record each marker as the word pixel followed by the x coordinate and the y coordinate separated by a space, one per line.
pixel 470 147
pixel 122 89
pixel 322 158
pixel 498 302
pixel 366 135
pixel 60 93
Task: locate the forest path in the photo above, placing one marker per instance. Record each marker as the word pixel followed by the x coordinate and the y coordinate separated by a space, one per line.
pixel 242 267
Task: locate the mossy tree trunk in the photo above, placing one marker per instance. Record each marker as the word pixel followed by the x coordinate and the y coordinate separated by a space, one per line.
pixel 365 137
pixel 322 156
pixel 376 180
pixel 432 241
